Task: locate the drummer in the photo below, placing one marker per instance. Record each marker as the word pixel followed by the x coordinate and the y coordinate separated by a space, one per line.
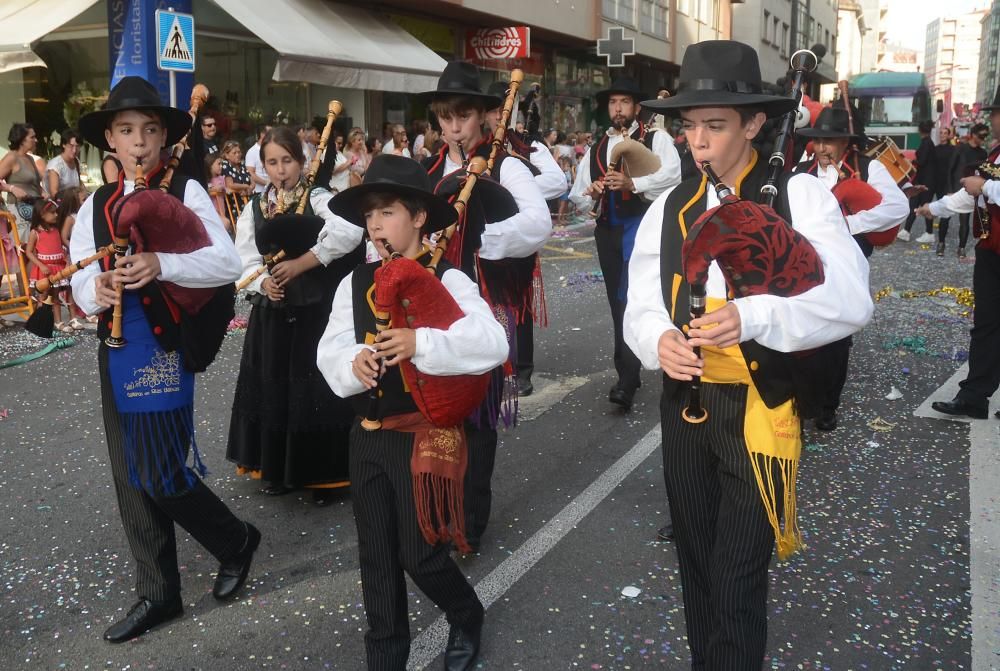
pixel 837 158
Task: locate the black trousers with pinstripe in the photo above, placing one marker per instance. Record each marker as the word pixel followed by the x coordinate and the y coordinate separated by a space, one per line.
pixel 149 516
pixel 723 537
pixel 390 542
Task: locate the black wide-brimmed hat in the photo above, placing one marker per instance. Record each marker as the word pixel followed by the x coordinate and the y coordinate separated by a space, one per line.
pixel 832 122
pixel 133 93
pixel 996 102
pixel 461 78
pixel 399 175
pixel 720 73
pixel 623 85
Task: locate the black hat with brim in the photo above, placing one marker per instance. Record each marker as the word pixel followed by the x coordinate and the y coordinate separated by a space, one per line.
pixel 832 122
pixel 720 73
pixel 495 201
pixel 461 79
pixel 996 103
pixel 623 85
pixel 401 176
pixel 133 93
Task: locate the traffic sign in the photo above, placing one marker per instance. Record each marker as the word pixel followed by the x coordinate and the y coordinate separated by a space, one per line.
pixel 174 41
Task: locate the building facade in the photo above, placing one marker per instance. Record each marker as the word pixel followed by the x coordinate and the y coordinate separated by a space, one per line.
pixel 283 60
pixel 989 52
pixel 779 28
pixel 951 56
pixel 852 31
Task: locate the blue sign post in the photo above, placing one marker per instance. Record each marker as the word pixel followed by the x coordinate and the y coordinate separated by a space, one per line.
pixel 133 40
pixel 174 46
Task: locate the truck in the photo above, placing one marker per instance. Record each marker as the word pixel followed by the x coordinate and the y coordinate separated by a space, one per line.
pixel 892 104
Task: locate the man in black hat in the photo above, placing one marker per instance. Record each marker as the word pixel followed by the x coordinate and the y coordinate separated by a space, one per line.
pixel 622 201
pixel 498 255
pixel 552 183
pixel 980 196
pixel 396 206
pixel 836 158
pixel 154 486
pixel 730 479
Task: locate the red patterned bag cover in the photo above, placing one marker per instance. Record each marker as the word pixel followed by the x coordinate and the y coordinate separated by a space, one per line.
pixel 416 298
pixel 757 250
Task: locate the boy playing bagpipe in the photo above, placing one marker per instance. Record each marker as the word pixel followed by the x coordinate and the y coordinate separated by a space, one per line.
pixel 406 463
pixel 174 308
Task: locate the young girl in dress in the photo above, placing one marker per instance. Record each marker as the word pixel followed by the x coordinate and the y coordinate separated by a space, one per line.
pixel 70 200
pixel 217 189
pixel 47 255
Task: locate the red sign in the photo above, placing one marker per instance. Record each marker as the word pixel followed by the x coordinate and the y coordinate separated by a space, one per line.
pixel 498 43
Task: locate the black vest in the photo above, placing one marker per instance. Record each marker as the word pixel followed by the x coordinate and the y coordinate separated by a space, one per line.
pixel 198 336
pixel 778 376
pixel 313 287
pixel 629 204
pixel 394 399
pixel 506 281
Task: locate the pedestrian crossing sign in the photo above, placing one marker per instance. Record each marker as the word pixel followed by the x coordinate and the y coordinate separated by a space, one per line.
pixel 174 41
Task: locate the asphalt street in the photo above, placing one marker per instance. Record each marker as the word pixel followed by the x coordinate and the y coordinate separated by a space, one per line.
pixel 884 582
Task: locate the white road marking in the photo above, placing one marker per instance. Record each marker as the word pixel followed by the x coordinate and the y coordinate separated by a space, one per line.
pixel 946 392
pixel 431 642
pixel 547 393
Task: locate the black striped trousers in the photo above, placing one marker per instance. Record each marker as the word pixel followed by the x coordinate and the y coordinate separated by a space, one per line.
pixel 390 542
pixel 478 478
pixel 148 518
pixel 723 537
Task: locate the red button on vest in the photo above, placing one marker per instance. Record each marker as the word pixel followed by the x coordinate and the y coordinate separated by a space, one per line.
pixel 157 330
pixel 110 324
pixel 146 300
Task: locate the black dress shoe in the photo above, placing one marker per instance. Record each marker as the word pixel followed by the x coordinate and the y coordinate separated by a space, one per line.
pixel 665 533
pixel 621 396
pixel 997 414
pixel 463 648
pixel 959 407
pixel 276 490
pixel 827 421
pixel 142 617
pixel 524 387
pixel 232 574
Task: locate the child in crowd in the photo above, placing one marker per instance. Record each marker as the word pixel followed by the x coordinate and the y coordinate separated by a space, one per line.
pixel 47 256
pixel 217 188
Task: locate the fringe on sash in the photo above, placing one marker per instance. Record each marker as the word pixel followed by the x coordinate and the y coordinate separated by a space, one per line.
pixel 156 445
pixel 787 536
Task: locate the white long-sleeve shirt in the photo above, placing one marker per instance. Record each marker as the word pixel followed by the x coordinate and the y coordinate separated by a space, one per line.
pixel 527 231
pixel 833 310
pixel 474 344
pixel 648 187
pixel 961 202
pixel 214 265
pixel 893 209
pixel 551 180
pixel 337 237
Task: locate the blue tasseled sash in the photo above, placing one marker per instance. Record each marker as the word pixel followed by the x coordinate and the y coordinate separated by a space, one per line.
pixel 155 398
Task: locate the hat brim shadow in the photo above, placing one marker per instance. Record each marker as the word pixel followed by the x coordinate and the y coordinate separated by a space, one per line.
pixel 92 126
pixel 347 204
pixel 773 106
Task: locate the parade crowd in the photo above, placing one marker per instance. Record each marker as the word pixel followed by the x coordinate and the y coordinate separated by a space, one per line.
pixel 395 287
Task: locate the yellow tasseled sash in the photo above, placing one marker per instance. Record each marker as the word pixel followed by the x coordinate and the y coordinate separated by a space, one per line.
pixel 773 437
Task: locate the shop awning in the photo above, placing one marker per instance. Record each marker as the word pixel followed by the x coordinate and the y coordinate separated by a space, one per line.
pixel 338 45
pixel 27 21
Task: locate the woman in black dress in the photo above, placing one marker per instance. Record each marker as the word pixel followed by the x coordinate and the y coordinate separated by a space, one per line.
pixel 287 427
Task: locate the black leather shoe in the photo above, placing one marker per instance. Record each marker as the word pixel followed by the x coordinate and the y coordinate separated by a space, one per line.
pixel 463 648
pixel 997 414
pixel 276 490
pixel 827 421
pixel 619 395
pixel 524 387
pixel 665 533
pixel 232 574
pixel 959 407
pixel 142 617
